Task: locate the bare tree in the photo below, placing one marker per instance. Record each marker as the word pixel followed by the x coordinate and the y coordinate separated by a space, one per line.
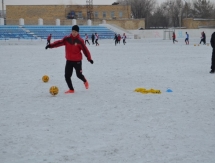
pixel 140 8
pixel 176 11
pixel 187 10
pixel 158 19
pixel 202 9
pixel 213 12
pixel 169 13
pixel 173 9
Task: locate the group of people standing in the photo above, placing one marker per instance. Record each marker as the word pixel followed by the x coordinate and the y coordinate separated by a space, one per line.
pixel 203 38
pixel 118 38
pixel 94 37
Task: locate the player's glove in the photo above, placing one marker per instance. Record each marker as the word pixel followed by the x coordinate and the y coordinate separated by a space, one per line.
pixel 91 61
pixel 48 46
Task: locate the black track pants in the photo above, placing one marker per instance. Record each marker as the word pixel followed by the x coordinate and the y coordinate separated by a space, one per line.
pixel 97 42
pixel 48 42
pixel 124 41
pixel 69 70
pixel 86 41
pixel 116 42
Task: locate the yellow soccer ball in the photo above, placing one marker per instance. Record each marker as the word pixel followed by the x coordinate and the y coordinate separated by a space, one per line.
pixel 54 90
pixel 45 78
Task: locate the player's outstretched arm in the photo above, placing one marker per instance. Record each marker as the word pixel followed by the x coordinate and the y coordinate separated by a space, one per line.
pixel 56 44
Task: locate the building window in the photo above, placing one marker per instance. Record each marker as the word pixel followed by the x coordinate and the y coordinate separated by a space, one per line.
pixel 80 14
pixel 120 14
pixel 104 14
pixel 112 14
pixel 96 14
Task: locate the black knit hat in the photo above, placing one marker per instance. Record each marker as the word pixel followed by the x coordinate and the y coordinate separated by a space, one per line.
pixel 76 28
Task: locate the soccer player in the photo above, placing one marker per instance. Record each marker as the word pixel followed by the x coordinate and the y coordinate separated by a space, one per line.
pixel 74 44
pixel 187 39
pixel 93 38
pixel 124 38
pixel 116 39
pixel 49 39
pixel 203 38
pixel 86 39
pixel 174 37
pixel 97 38
pixel 119 38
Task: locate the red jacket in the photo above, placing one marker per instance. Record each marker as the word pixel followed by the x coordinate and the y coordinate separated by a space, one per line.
pixel 119 37
pixel 73 47
pixel 49 38
pixel 173 36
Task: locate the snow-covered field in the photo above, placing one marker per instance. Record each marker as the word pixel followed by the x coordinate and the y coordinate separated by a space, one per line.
pixel 109 123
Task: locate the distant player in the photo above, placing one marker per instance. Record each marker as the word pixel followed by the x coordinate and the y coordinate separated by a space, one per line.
pixel 203 38
pixel 49 39
pixel 187 39
pixel 97 38
pixel 119 38
pixel 86 39
pixel 124 38
pixel 116 39
pixel 93 38
pixel 174 37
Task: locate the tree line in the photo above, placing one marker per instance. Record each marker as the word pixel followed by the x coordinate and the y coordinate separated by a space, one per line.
pixel 169 13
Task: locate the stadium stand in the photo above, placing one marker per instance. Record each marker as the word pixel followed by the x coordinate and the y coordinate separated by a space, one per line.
pixel 58 32
pixel 8 32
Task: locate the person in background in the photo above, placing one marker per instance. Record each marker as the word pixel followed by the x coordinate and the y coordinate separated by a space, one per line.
pixel 124 38
pixel 74 44
pixel 119 38
pixel 97 38
pixel 49 39
pixel 116 39
pixel 187 39
pixel 93 38
pixel 203 38
pixel 86 39
pixel 174 37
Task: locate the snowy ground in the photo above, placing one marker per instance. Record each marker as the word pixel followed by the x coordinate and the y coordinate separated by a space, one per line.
pixel 109 123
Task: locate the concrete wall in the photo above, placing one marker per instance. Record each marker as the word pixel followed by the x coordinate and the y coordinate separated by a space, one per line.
pixel 191 23
pixel 31 14
pixel 126 11
pixel 49 14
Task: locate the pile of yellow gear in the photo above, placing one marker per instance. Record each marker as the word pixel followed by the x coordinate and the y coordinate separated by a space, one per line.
pixel 145 91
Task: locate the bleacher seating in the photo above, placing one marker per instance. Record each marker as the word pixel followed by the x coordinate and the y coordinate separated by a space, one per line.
pixel 58 32
pixel 8 32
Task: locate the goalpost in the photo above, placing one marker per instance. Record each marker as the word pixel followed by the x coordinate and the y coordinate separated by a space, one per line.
pixel 167 34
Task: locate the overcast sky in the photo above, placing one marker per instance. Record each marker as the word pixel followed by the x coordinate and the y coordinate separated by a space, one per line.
pixel 58 2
